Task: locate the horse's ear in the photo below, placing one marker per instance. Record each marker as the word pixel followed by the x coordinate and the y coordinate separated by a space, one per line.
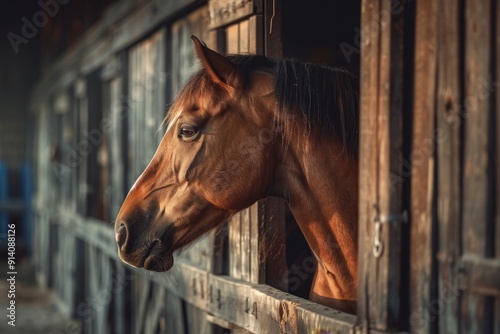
pixel 221 70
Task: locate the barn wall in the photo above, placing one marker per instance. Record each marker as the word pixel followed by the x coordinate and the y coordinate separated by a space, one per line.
pixel 429 194
pixel 99 109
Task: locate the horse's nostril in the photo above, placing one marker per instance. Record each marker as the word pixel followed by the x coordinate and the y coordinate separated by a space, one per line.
pixel 121 235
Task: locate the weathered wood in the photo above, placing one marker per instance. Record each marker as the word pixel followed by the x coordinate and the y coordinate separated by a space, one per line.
pixel 154 309
pixel 421 167
pixel 272 29
pixel 369 84
pixel 479 275
pixel 263 309
pixel 235 251
pixel 476 310
pixel 448 138
pixel 380 150
pixel 224 12
pixel 255 35
pixel 173 314
pixel 273 242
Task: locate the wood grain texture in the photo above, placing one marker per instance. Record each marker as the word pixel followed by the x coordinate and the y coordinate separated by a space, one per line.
pixel 421 167
pixel 449 122
pixel 475 308
pixel 380 150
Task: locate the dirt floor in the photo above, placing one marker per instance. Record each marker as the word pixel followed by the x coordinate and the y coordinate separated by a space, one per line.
pixel 35 309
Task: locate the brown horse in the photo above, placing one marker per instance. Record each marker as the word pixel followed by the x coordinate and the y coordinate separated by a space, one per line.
pixel 243 128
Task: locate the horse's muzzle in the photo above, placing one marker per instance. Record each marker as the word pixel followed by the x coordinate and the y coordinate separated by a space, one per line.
pixel 143 248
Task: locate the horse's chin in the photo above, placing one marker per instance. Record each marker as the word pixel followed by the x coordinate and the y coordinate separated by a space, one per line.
pixel 159 262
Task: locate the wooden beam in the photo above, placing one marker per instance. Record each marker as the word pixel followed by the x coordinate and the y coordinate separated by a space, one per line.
pixel 381 115
pixel 477 228
pixel 449 123
pixel 421 167
pixel 479 275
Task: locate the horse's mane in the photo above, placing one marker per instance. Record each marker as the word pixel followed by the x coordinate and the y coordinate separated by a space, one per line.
pixel 327 98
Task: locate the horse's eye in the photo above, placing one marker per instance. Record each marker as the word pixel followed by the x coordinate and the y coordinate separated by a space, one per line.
pixel 188 132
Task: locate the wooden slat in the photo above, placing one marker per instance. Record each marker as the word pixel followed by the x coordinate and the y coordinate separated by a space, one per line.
pixel 154 309
pixel 141 295
pixel 246 251
pixel 255 35
pixel 235 226
pixel 480 275
pixel 422 169
pixel 173 314
pixel 223 12
pixel 232 39
pixel 380 150
pixel 263 309
pixel 256 235
pixel 369 85
pixel 273 242
pixel 476 309
pixel 449 121
pixel 235 257
pixel 244 37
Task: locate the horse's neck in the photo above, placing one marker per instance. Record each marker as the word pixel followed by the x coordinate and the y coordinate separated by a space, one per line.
pixel 320 181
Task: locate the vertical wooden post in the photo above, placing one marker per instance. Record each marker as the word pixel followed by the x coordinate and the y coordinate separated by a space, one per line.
pixel 476 310
pixel 381 116
pixel 496 152
pixel 421 166
pixel 448 137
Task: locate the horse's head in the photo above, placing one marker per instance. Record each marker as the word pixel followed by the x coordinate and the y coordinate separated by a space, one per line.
pixel 213 161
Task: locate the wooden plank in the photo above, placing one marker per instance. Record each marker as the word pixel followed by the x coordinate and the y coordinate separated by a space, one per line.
pixel 224 12
pixel 480 275
pixel 369 93
pixel 256 235
pixel 263 309
pixel 272 29
pixel 422 169
pixel 255 35
pixel 273 242
pixel 173 314
pixel 233 38
pixel 380 149
pixel 244 37
pixel 476 310
pixel 235 252
pixel 197 320
pixel 154 309
pixel 141 295
pixel 449 120
pixel 246 250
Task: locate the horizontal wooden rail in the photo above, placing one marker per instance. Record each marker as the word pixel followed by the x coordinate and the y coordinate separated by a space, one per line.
pixel 258 308
pixel 479 275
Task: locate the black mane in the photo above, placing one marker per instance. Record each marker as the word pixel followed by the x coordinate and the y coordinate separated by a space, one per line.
pixel 326 97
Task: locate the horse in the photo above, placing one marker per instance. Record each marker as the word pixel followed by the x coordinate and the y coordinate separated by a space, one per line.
pixel 245 127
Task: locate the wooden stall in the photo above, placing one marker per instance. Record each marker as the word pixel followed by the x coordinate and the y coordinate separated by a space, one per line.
pixel 429 206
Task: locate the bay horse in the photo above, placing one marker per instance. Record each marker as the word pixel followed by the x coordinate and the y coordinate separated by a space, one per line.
pixel 241 129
